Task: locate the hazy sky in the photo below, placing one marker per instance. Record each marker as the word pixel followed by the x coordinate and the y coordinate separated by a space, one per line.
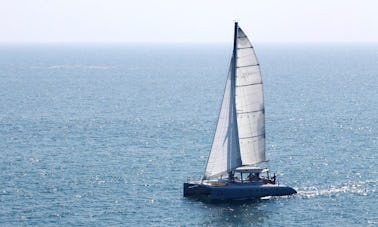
pixel 188 20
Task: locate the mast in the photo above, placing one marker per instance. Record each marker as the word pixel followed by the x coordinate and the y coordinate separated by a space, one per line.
pixel 233 116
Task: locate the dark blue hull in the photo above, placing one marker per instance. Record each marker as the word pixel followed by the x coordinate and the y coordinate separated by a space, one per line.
pixel 235 191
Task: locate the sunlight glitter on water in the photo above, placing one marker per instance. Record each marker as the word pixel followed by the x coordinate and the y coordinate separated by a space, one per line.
pixel 359 188
pixel 108 139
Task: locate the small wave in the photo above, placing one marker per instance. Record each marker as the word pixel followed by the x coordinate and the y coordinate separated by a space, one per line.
pixel 79 67
pixel 360 188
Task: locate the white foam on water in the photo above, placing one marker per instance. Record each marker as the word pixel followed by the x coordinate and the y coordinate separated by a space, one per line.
pixel 363 188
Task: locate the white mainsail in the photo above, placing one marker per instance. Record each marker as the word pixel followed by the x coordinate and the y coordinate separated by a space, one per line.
pixel 240 135
pixel 249 103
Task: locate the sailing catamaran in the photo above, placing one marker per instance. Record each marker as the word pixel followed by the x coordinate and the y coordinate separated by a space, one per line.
pixel 239 141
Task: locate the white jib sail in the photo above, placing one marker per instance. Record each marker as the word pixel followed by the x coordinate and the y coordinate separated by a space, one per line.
pixel 225 154
pixel 249 103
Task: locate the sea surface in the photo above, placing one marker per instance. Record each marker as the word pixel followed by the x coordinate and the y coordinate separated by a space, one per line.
pixel 106 134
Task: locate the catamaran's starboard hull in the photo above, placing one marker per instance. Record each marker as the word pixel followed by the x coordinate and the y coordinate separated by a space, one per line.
pixel 235 191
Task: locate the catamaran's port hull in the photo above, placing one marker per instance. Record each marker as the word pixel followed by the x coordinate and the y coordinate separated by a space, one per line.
pixel 235 191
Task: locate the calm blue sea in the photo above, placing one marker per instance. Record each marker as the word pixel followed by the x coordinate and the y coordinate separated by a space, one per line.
pixel 105 134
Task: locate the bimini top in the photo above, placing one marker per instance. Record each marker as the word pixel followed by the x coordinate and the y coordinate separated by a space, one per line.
pixel 251 169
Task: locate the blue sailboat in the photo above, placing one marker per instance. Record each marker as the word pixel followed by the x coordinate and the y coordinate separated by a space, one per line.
pixel 239 142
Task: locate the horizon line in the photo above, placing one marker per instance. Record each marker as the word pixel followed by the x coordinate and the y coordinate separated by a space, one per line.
pixel 183 42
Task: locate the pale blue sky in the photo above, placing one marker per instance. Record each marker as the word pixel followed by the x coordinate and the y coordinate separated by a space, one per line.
pixel 188 21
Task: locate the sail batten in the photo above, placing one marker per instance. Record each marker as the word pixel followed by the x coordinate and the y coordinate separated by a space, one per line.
pixel 251 111
pixel 243 138
pixel 240 134
pixel 247 66
pixel 245 85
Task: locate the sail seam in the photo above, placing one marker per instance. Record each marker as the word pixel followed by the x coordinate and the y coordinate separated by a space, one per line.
pixel 249 137
pixel 248 85
pixel 247 66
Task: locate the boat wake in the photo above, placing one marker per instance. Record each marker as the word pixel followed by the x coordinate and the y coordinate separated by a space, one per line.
pixel 363 188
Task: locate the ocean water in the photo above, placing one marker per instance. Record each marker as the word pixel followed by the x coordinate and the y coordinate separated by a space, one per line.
pixel 105 134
